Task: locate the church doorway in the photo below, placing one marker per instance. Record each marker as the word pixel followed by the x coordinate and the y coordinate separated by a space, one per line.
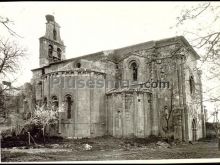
pixel 194 135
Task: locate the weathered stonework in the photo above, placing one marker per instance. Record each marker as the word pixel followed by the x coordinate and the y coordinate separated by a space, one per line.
pixel 123 111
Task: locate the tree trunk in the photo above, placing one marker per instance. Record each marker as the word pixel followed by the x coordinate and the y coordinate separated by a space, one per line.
pixel 29 139
pixel 43 135
pixel 218 143
pixel 33 140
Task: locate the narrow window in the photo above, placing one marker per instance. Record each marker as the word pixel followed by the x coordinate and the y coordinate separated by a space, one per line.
pixel 50 51
pixel 59 53
pixel 54 34
pixel 191 84
pixel 116 66
pixel 43 71
pixel 134 69
pixel 69 106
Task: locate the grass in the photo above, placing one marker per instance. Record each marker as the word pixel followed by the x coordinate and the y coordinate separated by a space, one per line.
pixel 110 148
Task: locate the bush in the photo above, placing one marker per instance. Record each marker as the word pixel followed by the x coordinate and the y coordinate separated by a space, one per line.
pixel 42 116
pixel 7 132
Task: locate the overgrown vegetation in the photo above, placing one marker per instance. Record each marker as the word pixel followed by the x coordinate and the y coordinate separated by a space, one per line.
pixel 33 130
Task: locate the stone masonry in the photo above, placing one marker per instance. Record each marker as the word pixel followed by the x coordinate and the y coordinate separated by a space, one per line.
pixel 163 96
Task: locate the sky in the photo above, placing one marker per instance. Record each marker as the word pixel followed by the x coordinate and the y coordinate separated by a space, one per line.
pixel 88 27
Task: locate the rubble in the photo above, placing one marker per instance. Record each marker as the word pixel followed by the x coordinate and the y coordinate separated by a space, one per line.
pixel 87 147
pixel 163 144
pixel 55 145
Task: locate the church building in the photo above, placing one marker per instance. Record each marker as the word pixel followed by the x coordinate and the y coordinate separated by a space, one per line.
pixel 151 88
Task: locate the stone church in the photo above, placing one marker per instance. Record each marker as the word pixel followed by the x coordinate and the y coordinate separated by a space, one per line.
pixel 163 96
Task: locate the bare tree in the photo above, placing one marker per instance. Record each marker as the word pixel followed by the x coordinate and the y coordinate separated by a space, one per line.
pixel 216 123
pixel 10 55
pixel 6 22
pixel 205 37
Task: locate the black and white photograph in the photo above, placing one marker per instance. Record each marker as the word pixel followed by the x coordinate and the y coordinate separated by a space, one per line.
pixel 130 82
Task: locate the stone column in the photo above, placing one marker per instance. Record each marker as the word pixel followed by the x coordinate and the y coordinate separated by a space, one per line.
pixel 179 85
pixel 61 105
pixel 155 118
pixel 91 105
pixel 124 129
pixel 154 110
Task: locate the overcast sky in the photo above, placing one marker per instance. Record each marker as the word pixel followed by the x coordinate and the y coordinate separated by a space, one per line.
pixel 88 27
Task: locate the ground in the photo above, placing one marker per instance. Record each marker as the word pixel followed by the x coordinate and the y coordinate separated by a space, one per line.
pixel 108 148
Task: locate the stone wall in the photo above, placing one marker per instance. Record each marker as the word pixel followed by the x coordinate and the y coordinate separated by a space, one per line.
pixel 129 114
pixel 87 109
pixel 97 111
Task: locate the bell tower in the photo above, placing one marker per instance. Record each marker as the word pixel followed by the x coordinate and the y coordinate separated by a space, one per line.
pixel 52 48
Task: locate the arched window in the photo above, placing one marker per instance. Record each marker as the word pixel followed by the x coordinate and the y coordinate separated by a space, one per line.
pixel 134 69
pixel 191 85
pixel 59 53
pixel 54 34
pixel 69 106
pixel 55 102
pixel 50 51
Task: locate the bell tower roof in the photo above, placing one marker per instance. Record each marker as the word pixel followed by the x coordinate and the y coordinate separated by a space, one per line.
pixel 50 18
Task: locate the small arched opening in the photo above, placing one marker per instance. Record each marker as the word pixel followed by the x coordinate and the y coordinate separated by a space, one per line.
pixel 59 53
pixel 68 100
pixel 134 70
pixel 50 50
pixel 191 85
pixel 54 34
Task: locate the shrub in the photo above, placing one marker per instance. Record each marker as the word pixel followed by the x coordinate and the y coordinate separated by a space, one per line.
pixel 8 132
pixel 41 117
